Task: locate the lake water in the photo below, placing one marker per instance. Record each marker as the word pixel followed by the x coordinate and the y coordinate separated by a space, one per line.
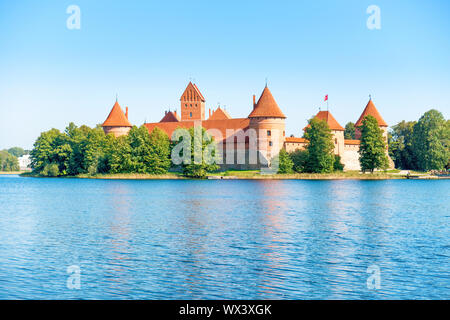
pixel 232 239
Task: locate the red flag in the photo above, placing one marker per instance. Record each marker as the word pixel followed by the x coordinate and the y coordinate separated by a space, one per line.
pixel 326 98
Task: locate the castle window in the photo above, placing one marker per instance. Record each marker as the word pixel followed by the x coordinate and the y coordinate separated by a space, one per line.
pixel 190 114
pixel 186 105
pixel 196 105
pixel 270 143
pixel 190 105
pixel 269 133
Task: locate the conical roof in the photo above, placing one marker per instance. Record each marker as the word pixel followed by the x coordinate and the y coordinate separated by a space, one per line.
pixel 266 106
pixel 116 118
pixel 372 111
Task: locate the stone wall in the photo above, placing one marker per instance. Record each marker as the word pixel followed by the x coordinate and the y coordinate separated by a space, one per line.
pixel 293 146
pixel 117 131
pixel 350 157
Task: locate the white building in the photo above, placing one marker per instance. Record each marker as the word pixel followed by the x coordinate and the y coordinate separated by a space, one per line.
pixel 24 162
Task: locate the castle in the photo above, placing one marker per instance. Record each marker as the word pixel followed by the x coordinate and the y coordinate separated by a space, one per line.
pixel 263 130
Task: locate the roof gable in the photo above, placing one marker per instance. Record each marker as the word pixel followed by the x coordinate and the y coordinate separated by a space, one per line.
pixel 116 118
pixel 371 110
pixel 266 106
pixel 170 117
pixel 330 120
pixel 192 93
pixel 219 114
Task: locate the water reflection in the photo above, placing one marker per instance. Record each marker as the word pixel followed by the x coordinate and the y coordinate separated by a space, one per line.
pixel 271 215
pixel 223 239
pixel 120 236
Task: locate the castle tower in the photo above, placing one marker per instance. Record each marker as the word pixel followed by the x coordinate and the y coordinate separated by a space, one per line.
pixel 268 121
pixel 192 104
pixel 371 110
pixel 336 129
pixel 117 122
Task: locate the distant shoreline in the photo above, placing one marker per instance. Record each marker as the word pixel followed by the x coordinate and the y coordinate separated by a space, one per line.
pixel 11 172
pixel 254 175
pixel 236 175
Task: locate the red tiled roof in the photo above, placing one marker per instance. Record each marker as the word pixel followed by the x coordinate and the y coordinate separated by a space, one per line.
pixel 116 118
pixel 219 114
pixel 328 117
pixel 221 125
pixel 193 87
pixel 266 106
pixel 295 140
pixel 352 142
pixel 199 93
pixel 170 117
pixel 371 110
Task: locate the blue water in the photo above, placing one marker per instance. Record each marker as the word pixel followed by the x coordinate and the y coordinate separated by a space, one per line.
pixel 224 239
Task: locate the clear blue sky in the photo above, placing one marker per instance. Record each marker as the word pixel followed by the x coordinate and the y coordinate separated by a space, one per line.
pixel 146 52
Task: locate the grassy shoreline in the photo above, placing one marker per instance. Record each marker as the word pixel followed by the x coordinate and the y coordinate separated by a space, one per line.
pixel 239 175
pixel 11 172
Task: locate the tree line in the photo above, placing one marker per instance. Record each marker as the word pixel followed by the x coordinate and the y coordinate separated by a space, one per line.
pixel 9 159
pixel 85 150
pixel 422 145
pixel 318 155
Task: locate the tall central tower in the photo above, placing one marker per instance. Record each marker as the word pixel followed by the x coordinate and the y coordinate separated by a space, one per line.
pixel 192 104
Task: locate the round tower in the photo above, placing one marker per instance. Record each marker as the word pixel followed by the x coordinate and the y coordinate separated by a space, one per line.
pixel 117 122
pixel 268 121
pixel 371 110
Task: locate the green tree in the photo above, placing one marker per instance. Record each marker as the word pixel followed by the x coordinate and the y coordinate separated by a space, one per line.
pixel 159 160
pixel 400 145
pixel 431 141
pixel 199 164
pixel 372 150
pixel 349 132
pixel 285 163
pixel 320 147
pixel 119 155
pixel 8 162
pixel 50 170
pixel 139 139
pixel 338 166
pixel 76 137
pixel 93 149
pixel 17 152
pixel 51 147
pixel 299 159
pixel 149 152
